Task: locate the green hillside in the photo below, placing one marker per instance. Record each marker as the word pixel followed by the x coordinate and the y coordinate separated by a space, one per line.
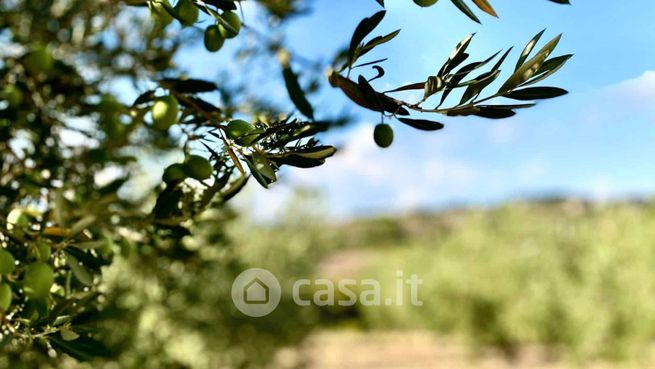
pixel 576 277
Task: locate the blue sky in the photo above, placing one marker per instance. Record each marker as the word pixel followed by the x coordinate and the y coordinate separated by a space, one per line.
pixel 596 142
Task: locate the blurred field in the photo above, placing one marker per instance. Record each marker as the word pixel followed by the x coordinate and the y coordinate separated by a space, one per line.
pixel 548 284
pixel 338 349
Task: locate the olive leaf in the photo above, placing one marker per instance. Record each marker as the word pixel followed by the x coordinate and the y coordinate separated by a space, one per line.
pixel 422 124
pixel 364 28
pixel 536 93
pixel 530 67
pixel 190 86
pixel 296 94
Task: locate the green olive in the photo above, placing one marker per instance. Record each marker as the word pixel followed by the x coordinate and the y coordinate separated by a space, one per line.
pixel 238 128
pixel 383 135
pixel 235 23
pixel 213 38
pixel 13 95
pixel 198 167
pixel 186 12
pixel 39 59
pixel 164 112
pixel 38 280
pixel 7 262
pixel 5 296
pixel 174 173
pixel 425 3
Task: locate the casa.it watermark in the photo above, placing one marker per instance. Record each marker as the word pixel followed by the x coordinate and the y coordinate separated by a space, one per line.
pixel 256 292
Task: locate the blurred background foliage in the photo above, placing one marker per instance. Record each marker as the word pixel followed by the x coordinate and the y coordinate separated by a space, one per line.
pixel 560 274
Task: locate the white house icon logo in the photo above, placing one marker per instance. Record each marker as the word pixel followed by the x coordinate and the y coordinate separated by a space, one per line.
pixel 256 292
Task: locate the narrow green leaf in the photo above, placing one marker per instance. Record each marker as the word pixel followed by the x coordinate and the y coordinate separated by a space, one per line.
pixel 536 93
pixel 529 68
pixel 83 349
pixel 263 166
pixel 364 28
pixel 296 93
pixel 485 7
pixel 550 67
pixel 457 56
pixel 466 10
pixel 79 271
pixel 82 224
pixel 376 42
pixel 478 84
pixel 422 124
pixel 411 86
pixel 433 85
pixel 528 49
pixel 316 152
pixel 494 112
pixel 190 86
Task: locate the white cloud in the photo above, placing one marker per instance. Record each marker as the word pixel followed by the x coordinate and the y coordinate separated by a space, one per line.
pixel 633 97
pixel 636 92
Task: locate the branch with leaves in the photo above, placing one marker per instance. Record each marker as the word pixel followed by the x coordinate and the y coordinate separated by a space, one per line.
pixel 454 75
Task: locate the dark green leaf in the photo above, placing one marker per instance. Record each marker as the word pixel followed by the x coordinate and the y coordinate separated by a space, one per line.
pixel 412 86
pixel 79 271
pixel 536 93
pixel 83 349
pixel 297 161
pixel 466 10
pixel 190 86
pixel 376 42
pixel 198 103
pixel 222 4
pixel 494 112
pixel 433 85
pixel 234 188
pixel 364 28
pixel 457 57
pixel 316 152
pixel 145 97
pixel 422 124
pixel 476 85
pixel 296 93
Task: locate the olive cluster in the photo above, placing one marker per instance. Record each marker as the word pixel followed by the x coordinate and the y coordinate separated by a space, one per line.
pixel 227 25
